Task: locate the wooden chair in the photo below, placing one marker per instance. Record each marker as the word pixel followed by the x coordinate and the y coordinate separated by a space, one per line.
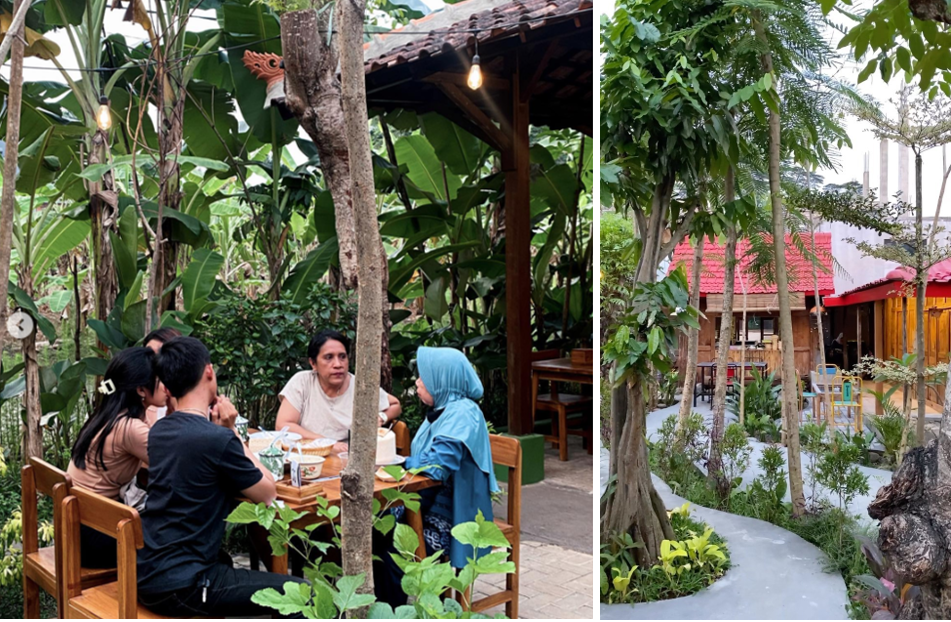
pixel 118 599
pixel 403 441
pixel 847 396
pixel 561 405
pixel 42 568
pixel 507 452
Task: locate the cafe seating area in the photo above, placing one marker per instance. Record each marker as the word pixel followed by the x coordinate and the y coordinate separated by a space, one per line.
pixel 570 413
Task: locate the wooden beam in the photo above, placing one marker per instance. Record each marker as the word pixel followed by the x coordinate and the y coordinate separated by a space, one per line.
pixel 518 264
pixel 499 139
pixel 539 70
pixel 490 82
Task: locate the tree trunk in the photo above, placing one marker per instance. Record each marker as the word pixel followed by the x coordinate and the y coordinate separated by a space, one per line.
pixel 11 154
pixel 103 214
pixel 170 146
pixel 822 341
pixel 33 431
pixel 635 507
pixel 693 337
pixel 794 457
pixel 914 530
pixel 921 276
pixel 313 94
pixel 715 466
pixel 357 478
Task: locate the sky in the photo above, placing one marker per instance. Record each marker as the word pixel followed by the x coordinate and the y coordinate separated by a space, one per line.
pixel 851 160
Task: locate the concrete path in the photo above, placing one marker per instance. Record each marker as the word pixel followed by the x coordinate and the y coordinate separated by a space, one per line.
pixel 876 477
pixel 775 575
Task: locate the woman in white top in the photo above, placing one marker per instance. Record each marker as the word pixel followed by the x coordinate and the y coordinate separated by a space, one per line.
pixel 319 403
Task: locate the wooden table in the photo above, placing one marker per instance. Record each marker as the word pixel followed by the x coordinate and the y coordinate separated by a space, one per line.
pixel 331 492
pixel 560 370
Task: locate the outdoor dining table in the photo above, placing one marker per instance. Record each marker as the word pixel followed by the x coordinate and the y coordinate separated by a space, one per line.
pixel 330 479
pixel 710 366
pixel 560 370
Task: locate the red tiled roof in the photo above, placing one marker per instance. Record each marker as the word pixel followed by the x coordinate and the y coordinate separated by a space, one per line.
pixel 939 273
pixel 798 267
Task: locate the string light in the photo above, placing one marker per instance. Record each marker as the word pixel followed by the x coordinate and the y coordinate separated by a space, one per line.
pixel 475 71
pixel 103 115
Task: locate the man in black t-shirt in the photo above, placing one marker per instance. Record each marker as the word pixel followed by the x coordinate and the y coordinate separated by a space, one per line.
pixel 198 466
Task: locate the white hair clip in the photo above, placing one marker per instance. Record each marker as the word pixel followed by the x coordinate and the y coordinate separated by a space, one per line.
pixel 107 387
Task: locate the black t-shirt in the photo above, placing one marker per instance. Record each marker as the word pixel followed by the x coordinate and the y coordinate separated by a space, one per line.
pixel 196 471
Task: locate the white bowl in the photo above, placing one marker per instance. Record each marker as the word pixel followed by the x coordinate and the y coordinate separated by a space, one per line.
pixel 310 466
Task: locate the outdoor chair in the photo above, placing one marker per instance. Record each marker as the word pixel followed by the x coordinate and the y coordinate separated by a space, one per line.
pixel 117 599
pixel 805 396
pixel 847 397
pixel 403 442
pixel 507 452
pixel 43 567
pixel 560 405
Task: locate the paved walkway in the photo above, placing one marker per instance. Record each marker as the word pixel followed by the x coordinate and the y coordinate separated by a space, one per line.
pixel 557 564
pixel 876 477
pixel 775 575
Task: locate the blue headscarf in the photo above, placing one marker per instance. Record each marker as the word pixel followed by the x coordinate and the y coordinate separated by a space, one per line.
pixel 453 383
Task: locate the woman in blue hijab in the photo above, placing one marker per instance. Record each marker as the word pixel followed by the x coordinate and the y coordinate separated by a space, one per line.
pixel 454 442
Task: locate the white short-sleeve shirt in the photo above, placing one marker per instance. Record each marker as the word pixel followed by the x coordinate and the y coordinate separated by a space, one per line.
pixel 331 417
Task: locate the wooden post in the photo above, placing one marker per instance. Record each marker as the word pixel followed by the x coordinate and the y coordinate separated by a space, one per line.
pixel 858 334
pixel 518 264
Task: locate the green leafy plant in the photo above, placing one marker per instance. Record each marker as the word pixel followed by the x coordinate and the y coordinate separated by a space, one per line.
pixel 888 429
pixel 736 452
pixel 767 491
pixel 679 449
pixel 331 594
pixel 762 407
pixel 667 386
pixel 836 472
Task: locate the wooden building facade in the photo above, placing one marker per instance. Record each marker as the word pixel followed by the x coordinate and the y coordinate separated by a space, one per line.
pixel 760 336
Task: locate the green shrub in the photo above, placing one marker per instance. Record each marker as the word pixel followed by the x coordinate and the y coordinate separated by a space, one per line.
pixel 256 345
pixel 691 562
pixel 762 407
pixel 888 428
pixel 677 450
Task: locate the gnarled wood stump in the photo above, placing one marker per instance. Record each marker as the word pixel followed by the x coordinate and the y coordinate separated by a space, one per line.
pixel 915 532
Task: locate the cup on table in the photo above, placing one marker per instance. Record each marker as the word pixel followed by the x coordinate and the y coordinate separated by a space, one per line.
pixel 344 458
pixel 273 460
pixel 241 425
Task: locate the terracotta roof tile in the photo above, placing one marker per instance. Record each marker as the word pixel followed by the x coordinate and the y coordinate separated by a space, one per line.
pixel 798 267
pixel 501 21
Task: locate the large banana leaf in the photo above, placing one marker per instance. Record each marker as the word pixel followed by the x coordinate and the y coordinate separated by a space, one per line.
pixel 461 151
pixel 204 139
pixel 300 282
pixel 62 236
pixel 557 186
pixel 399 275
pixel 199 279
pixel 424 168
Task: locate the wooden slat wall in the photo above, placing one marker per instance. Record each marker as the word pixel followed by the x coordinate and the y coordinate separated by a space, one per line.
pixel 937 333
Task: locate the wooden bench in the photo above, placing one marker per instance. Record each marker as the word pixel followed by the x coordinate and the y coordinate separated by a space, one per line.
pixel 43 566
pixel 117 599
pixel 507 452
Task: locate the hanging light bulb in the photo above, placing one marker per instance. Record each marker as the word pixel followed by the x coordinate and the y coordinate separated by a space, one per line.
pixel 103 115
pixel 475 71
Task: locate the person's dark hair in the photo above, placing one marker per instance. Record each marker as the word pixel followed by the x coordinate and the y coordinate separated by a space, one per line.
pixel 180 364
pixel 162 335
pixel 318 341
pixel 127 371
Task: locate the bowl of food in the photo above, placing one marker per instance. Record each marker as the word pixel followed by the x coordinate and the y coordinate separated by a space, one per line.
pixel 310 465
pixel 318 447
pixel 260 440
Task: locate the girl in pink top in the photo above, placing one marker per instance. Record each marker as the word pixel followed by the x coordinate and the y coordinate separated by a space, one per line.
pixel 113 443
